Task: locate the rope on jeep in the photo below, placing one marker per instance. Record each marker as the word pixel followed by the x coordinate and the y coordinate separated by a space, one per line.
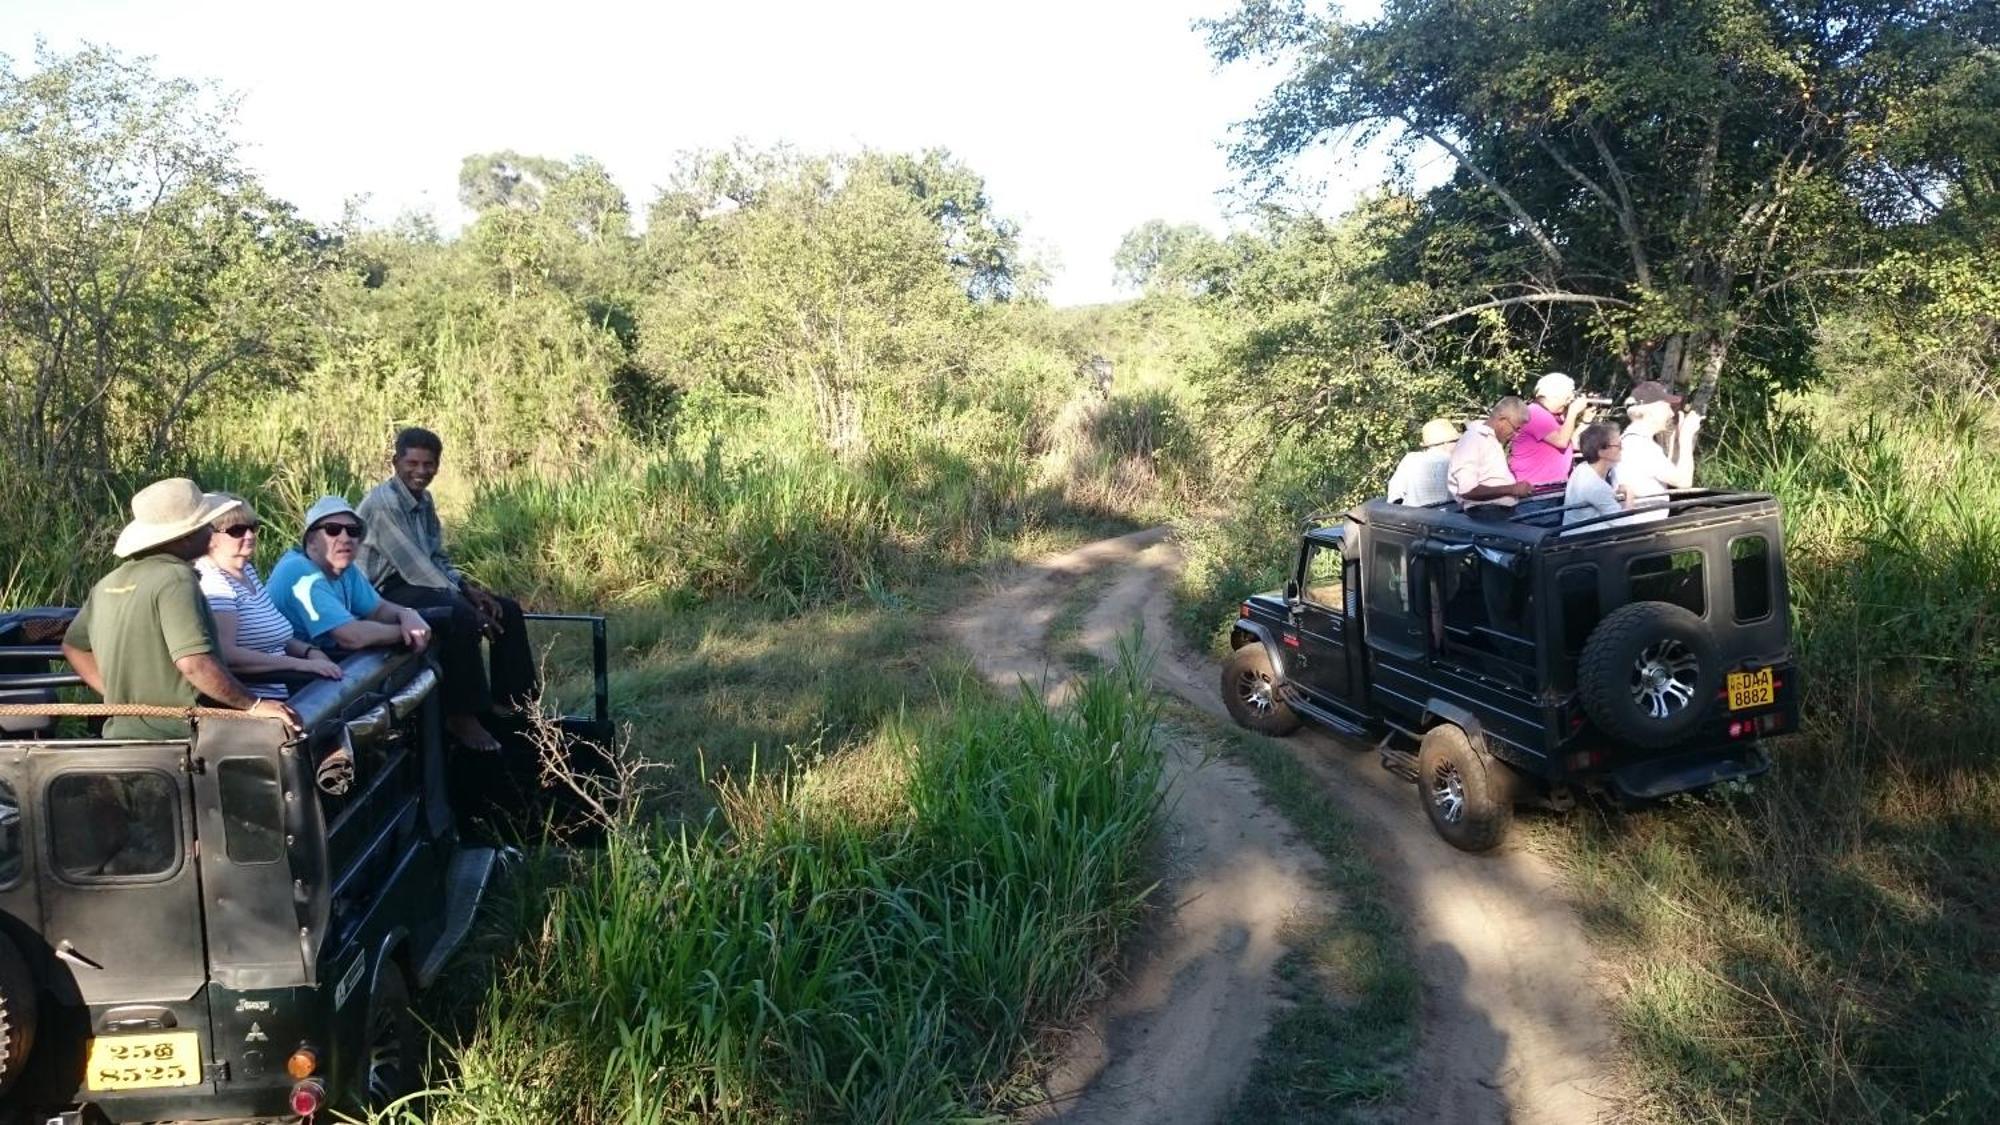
pixel 122 711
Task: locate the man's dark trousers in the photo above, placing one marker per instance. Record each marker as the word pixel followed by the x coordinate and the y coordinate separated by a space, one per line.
pixel 465 688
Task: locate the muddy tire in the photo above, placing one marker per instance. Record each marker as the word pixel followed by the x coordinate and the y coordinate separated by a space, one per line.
pixel 17 1014
pixel 1250 692
pixel 1647 674
pixel 1465 794
pixel 394 1060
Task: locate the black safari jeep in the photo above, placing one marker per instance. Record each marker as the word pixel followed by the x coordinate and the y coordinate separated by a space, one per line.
pixel 199 930
pixel 1523 661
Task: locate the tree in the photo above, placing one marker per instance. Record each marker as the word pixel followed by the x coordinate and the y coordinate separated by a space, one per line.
pixel 1673 183
pixel 142 271
pixel 1160 258
pixel 824 281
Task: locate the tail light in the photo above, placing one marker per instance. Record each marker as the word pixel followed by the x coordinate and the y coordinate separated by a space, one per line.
pixel 308 1097
pixel 303 1062
pixel 1243 610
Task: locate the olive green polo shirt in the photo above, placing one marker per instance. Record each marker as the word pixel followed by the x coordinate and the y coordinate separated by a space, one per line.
pixel 138 620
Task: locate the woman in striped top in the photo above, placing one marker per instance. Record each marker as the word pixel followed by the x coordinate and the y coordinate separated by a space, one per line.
pixel 253 636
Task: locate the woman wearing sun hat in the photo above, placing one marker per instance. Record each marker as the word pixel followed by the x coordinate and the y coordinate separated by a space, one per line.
pixel 144 635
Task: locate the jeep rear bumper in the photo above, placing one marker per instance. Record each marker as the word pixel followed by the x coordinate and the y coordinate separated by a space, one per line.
pixel 1662 777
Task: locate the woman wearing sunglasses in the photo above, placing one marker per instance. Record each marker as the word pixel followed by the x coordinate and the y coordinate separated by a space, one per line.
pixel 254 638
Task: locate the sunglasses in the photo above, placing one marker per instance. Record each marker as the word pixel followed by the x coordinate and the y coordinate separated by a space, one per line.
pixel 238 531
pixel 351 530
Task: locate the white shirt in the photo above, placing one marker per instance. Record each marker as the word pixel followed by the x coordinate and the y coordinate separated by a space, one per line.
pixel 1419 478
pixel 1588 496
pixel 1644 471
pixel 1479 459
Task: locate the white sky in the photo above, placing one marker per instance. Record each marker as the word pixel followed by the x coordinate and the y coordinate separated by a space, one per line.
pixel 1086 117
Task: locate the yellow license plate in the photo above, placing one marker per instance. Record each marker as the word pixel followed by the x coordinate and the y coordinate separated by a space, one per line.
pixel 1751 689
pixel 140 1062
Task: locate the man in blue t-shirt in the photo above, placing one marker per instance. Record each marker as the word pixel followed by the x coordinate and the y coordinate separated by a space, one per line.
pixel 331 604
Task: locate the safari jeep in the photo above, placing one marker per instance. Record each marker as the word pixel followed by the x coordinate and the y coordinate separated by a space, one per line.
pixel 222 928
pixel 1512 660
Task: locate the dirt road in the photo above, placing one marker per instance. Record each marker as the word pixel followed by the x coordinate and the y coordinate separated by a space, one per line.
pixel 1514 1025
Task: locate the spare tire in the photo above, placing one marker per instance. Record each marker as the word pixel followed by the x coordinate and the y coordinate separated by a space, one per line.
pixel 17 1014
pixel 1647 672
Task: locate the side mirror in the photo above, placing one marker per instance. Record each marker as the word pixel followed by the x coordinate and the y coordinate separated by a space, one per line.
pixel 1292 590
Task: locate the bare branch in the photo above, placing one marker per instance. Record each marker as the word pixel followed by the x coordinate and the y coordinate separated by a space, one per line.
pixel 1526 299
pixel 1520 213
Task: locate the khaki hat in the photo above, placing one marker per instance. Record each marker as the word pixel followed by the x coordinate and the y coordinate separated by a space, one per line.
pixel 1438 431
pixel 166 510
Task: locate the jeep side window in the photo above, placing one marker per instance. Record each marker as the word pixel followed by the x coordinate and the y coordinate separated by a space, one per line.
pixel 10 835
pixel 1576 590
pixel 1678 577
pixel 1322 584
pixel 1390 623
pixel 107 826
pixel 1750 577
pixel 1484 607
pixel 253 829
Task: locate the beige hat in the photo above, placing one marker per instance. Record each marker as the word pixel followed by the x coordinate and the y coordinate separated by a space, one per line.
pixel 1438 431
pixel 166 510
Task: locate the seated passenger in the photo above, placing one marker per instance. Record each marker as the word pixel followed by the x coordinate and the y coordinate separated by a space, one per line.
pixel 1589 493
pixel 1419 479
pixel 254 637
pixel 328 601
pixel 1479 477
pixel 404 557
pixel 144 635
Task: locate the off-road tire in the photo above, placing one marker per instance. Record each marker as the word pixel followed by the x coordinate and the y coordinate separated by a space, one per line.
pixel 1464 792
pixel 1643 658
pixel 1250 692
pixel 394 1060
pixel 17 1014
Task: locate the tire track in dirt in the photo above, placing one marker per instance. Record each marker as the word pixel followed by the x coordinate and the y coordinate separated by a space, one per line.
pixel 1514 1026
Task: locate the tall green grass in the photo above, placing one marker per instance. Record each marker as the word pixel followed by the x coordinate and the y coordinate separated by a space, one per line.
pixel 1826 947
pixel 834 949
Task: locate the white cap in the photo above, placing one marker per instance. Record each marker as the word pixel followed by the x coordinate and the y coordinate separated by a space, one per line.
pixel 1555 385
pixel 328 506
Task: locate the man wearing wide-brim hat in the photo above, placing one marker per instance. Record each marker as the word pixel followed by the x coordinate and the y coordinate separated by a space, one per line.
pixel 1419 478
pixel 144 635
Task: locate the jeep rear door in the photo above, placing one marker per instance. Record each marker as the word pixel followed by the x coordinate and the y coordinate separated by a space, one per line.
pixel 119 890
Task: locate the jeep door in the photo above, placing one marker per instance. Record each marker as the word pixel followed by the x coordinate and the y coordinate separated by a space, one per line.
pixel 119 896
pixel 1319 614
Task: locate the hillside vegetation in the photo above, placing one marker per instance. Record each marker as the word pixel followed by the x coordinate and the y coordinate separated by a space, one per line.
pixel 774 429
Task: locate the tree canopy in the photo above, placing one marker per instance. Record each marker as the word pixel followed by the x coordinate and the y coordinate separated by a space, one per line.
pixel 1668 186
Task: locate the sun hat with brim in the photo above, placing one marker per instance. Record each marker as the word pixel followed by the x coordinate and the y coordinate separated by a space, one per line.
pixel 326 507
pixel 165 511
pixel 1438 431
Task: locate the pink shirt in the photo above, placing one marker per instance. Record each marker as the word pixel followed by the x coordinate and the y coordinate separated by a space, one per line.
pixel 1478 459
pixel 1531 457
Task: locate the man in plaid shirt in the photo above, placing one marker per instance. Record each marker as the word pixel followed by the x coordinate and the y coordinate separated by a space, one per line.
pixel 404 558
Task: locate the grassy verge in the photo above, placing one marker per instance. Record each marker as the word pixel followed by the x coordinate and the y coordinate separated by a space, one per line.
pixel 1339 1048
pixel 874 937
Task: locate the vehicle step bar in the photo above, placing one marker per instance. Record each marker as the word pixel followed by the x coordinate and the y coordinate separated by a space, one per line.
pixel 1402 763
pixel 1340 723
pixel 464 886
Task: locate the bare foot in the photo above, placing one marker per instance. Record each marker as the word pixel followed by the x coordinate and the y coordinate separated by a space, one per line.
pixel 467 730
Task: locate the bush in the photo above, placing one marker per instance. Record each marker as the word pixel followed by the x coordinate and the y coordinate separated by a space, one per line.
pixel 830 950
